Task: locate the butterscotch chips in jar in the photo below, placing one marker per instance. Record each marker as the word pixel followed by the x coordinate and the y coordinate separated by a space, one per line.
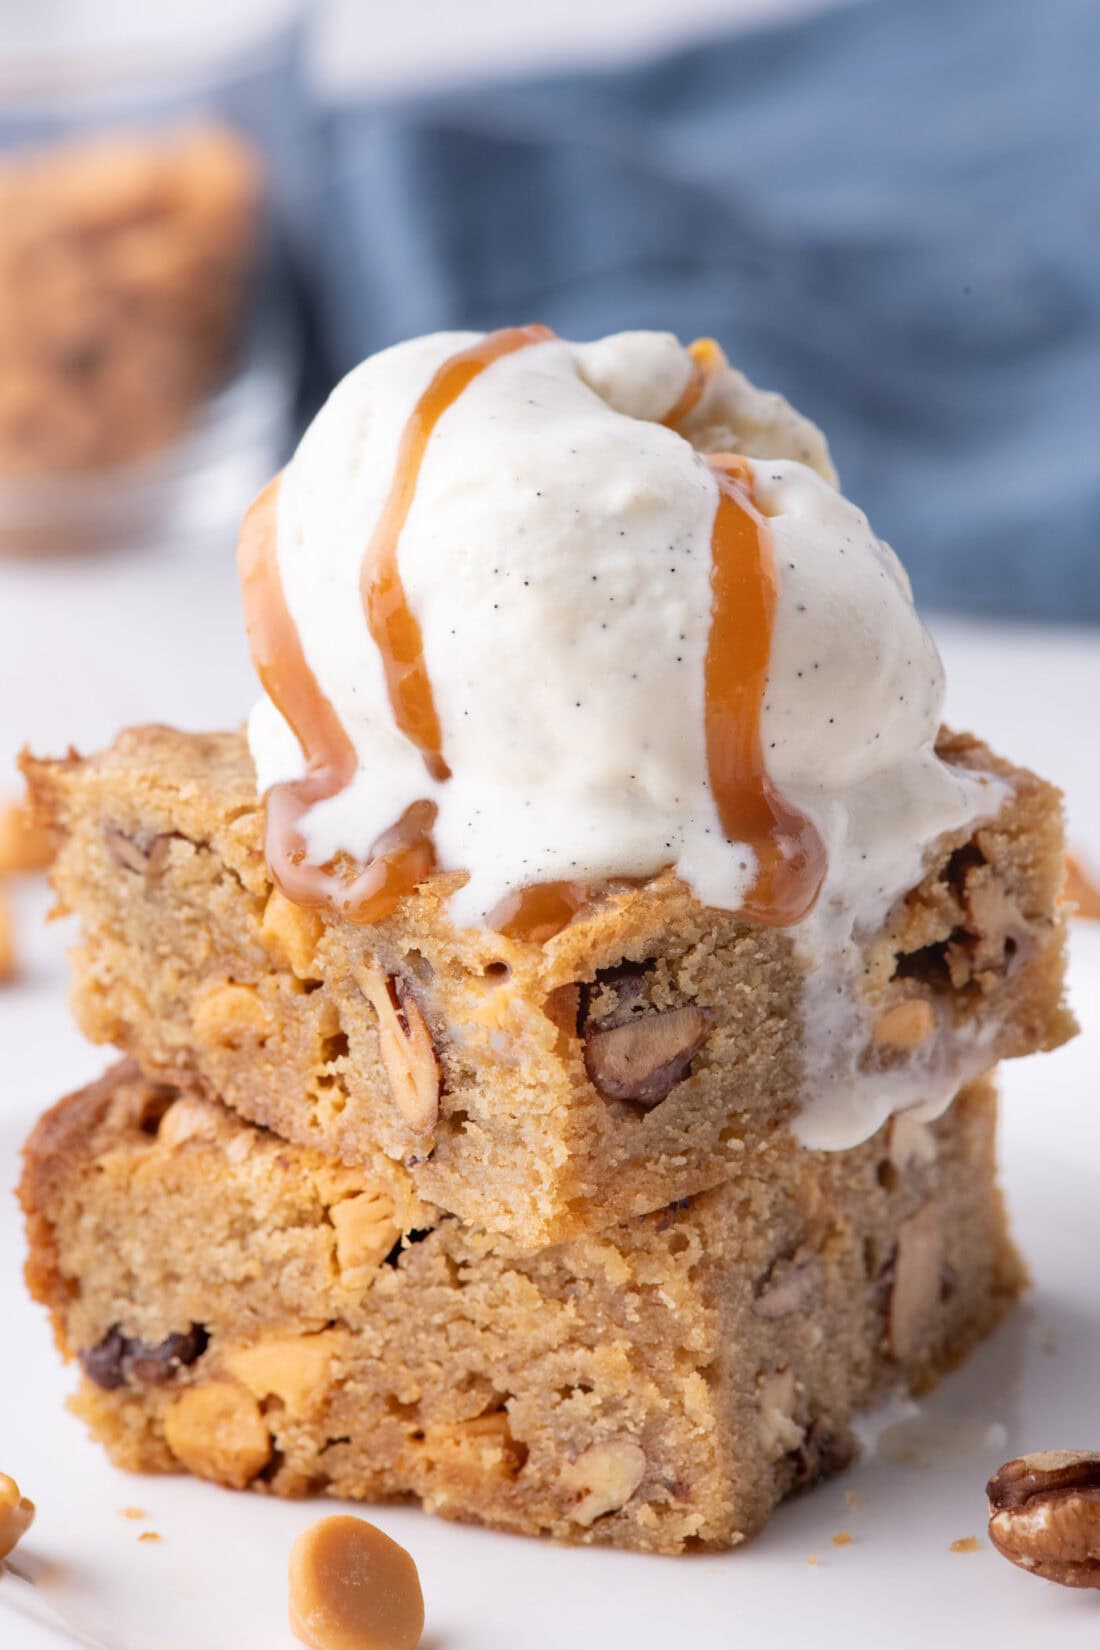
pixel 124 267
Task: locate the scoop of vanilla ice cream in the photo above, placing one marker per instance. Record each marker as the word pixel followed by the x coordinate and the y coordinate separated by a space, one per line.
pixel 557 556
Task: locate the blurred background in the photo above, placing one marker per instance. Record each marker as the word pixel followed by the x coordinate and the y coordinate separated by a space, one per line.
pixel 887 209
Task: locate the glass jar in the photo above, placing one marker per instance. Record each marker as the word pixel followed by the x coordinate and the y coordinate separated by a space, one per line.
pixel 150 179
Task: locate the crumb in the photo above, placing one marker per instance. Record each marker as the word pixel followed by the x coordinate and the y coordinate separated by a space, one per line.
pixel 853 1501
pixel 842 1539
pixel 148 1535
pixel 966 1544
pixel 813 1559
pixel 132 1512
pixel 1081 889
pixel 1049 1342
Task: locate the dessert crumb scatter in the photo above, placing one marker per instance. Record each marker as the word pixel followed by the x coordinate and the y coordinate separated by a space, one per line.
pixel 149 1535
pixel 132 1512
pixel 966 1544
pixel 842 1539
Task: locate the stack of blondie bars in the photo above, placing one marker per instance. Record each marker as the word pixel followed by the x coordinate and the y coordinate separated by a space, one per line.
pixel 521 1230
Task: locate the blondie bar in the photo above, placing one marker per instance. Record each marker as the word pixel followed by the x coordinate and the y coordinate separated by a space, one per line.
pixel 252 1312
pixel 539 1090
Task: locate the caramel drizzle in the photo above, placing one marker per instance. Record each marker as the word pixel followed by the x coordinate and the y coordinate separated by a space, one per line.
pixel 391 621
pixel 403 855
pixel 705 357
pixel 790 855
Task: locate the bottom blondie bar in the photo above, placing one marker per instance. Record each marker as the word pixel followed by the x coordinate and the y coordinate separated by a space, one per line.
pixel 252 1312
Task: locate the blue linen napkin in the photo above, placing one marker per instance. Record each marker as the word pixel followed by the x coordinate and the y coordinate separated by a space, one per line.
pixel 889 212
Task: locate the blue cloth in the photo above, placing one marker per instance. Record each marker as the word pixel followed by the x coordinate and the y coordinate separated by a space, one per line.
pixel 889 212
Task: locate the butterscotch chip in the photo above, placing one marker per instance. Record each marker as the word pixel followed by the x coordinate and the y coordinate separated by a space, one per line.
pixel 292 930
pixel 24 845
pixel 231 1016
pixel 16 1514
pixel 1081 890
pixel 7 941
pixel 905 1025
pixel 218 1432
pixel 352 1588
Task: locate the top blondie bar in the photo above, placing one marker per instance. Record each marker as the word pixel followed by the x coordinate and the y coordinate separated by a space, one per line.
pixel 596 820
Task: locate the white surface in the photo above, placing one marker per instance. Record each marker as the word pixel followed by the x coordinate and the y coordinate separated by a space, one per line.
pixel 86 648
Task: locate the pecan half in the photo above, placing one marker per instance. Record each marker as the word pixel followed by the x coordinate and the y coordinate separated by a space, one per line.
pixel 406 1047
pixel 1044 1515
pixel 644 1058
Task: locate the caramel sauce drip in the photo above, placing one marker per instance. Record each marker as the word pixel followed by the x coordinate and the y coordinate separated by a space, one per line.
pixel 705 357
pixel 790 854
pixel 391 621
pixel 403 856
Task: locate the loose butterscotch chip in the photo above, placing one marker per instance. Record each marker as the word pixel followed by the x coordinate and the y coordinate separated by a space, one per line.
pixel 24 844
pixel 7 942
pixel 1081 890
pixel 16 1514
pixel 352 1588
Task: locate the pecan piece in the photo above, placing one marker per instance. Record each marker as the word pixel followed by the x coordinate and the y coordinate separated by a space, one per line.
pixel 1044 1515
pixel 790 1285
pixel 644 1058
pixel 406 1047
pixel 913 1284
pixel 604 1476
pixel 146 854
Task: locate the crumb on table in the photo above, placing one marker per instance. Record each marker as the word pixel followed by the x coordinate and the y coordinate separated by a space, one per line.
pixel 966 1544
